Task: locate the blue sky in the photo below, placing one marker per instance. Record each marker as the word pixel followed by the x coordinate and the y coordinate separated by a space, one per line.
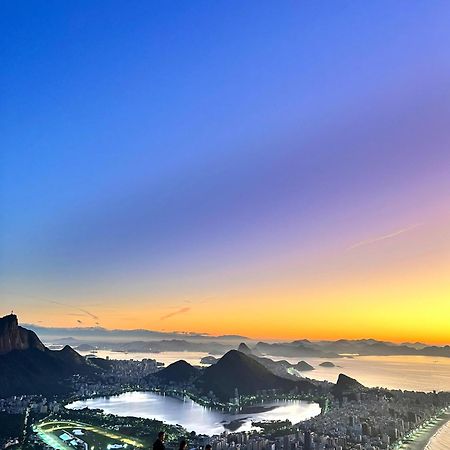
pixel 172 144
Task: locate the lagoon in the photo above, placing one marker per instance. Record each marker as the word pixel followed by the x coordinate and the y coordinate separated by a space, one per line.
pixel 193 416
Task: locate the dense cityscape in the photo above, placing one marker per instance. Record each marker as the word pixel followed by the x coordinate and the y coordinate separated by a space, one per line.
pixel 371 421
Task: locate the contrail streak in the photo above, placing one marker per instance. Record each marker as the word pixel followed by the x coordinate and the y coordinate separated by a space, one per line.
pixel 384 237
pixel 175 313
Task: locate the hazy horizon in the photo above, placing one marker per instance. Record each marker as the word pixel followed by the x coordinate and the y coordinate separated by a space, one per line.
pixel 193 334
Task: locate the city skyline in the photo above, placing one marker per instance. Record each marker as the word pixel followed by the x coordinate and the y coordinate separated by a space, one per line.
pixel 278 172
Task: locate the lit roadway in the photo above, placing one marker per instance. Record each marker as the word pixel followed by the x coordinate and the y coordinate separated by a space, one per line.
pixel 46 430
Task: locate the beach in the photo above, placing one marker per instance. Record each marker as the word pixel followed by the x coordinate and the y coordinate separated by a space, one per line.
pixel 441 439
pixel 433 436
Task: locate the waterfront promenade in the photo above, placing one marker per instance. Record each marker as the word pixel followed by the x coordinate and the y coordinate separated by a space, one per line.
pixel 420 438
pixel 441 439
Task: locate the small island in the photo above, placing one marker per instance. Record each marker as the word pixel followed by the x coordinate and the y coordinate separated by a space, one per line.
pixel 302 366
pixel 208 360
pixel 327 364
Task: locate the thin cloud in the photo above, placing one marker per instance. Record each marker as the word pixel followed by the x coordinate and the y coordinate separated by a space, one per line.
pixel 84 312
pixel 188 301
pixel 384 237
pixel 93 316
pixel 175 313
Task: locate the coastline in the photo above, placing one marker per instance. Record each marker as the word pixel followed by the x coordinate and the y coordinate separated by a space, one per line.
pixel 421 438
pixel 440 439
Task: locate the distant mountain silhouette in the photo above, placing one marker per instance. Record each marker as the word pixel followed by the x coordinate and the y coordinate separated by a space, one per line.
pixel 138 341
pixel 244 348
pixel 333 349
pixel 238 370
pixel 293 349
pixel 177 372
pixel 374 347
pixel 280 368
pixel 168 345
pixel 28 367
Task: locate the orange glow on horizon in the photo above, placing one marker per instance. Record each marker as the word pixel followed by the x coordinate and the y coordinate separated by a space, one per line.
pixel 401 297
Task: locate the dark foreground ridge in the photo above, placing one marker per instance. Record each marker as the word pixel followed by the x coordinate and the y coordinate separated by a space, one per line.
pixel 27 366
pixel 177 372
pixel 236 370
pixel 13 337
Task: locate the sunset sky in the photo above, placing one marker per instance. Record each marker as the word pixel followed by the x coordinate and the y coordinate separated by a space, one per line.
pixel 273 169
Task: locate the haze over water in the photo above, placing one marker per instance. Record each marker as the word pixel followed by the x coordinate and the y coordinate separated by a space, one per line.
pixel 414 373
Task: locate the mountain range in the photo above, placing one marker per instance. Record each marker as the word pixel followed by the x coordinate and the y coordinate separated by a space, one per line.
pixel 157 341
pixel 100 334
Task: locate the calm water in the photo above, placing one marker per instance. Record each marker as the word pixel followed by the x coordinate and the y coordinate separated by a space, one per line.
pixel 417 373
pixel 191 415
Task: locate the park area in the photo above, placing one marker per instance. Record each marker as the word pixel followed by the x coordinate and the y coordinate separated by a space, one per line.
pixel 70 435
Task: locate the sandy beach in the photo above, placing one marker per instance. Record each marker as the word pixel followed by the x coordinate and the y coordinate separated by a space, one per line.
pixel 428 434
pixel 441 439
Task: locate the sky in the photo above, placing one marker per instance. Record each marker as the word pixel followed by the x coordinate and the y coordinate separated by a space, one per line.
pixel 271 169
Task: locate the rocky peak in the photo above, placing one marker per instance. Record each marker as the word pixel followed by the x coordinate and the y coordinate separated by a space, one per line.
pixel 244 348
pixel 345 384
pixel 14 337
